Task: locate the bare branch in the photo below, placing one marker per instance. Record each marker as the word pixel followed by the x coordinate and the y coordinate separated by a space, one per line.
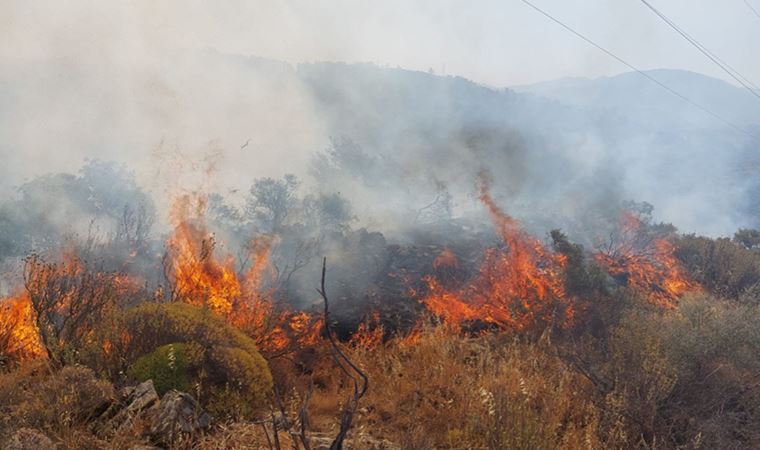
pixel 358 392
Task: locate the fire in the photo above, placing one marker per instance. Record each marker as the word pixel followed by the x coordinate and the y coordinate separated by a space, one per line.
pixel 518 287
pixel 369 333
pixel 200 276
pixel 446 259
pixel 19 338
pixel 646 262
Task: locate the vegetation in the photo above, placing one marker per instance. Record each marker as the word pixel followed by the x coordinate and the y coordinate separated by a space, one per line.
pixel 185 347
pixel 169 366
pixel 613 369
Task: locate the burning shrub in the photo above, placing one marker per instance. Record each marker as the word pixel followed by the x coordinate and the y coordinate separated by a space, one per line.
pixel 643 257
pixel 225 357
pixel 519 286
pixel 19 340
pixel 198 276
pixel 69 302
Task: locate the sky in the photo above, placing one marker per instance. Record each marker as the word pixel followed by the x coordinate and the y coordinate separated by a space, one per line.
pixel 495 42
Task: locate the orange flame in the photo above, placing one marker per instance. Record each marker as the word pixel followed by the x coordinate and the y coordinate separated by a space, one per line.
pixel 198 276
pixel 516 288
pixel 647 263
pixel 369 333
pixel 18 332
pixel 201 277
pixel 446 259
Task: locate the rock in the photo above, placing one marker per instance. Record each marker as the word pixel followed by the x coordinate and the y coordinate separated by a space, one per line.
pixel 141 397
pixel 133 402
pixel 29 439
pixel 177 413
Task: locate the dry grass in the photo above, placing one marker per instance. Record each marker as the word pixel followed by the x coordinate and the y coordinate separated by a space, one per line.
pixel 449 391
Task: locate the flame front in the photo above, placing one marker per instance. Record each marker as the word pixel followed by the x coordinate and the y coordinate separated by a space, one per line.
pixel 518 287
pixel 199 276
pixel 18 331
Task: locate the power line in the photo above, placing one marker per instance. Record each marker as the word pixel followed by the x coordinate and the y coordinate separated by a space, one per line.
pixel 640 72
pixel 748 85
pixel 749 5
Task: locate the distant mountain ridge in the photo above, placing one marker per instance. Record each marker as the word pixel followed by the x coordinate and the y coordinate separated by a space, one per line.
pixel 635 94
pixel 585 142
pixel 562 153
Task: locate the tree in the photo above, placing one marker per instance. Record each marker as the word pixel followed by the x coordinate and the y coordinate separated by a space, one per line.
pixel 271 201
pixel 749 238
pixel 328 212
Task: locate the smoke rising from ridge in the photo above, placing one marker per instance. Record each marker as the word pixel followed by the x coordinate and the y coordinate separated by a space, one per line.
pixel 130 83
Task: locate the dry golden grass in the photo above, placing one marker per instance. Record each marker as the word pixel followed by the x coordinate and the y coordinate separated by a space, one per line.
pixel 449 391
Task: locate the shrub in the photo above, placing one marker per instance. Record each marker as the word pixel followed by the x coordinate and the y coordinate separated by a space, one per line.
pixel 723 267
pixel 56 403
pixel 637 377
pixel 217 356
pixel 712 345
pixel 170 366
pixel 242 390
pixel 679 378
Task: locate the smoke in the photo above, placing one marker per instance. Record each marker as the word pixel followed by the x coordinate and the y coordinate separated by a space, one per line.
pixel 108 82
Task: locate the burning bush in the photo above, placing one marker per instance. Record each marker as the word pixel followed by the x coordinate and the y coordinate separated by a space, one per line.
pixel 519 286
pixel 69 302
pixel 19 340
pixel 198 276
pixel 645 260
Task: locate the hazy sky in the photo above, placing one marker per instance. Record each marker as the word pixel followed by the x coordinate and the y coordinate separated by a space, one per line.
pixel 497 42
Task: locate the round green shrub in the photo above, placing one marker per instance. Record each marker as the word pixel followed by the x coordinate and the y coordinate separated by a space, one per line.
pixel 207 352
pixel 240 371
pixel 170 366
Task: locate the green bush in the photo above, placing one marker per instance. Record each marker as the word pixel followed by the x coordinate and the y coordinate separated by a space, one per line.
pixel 207 352
pixel 240 371
pixel 171 366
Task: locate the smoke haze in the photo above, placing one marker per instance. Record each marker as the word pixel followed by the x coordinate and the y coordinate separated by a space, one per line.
pixel 170 91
